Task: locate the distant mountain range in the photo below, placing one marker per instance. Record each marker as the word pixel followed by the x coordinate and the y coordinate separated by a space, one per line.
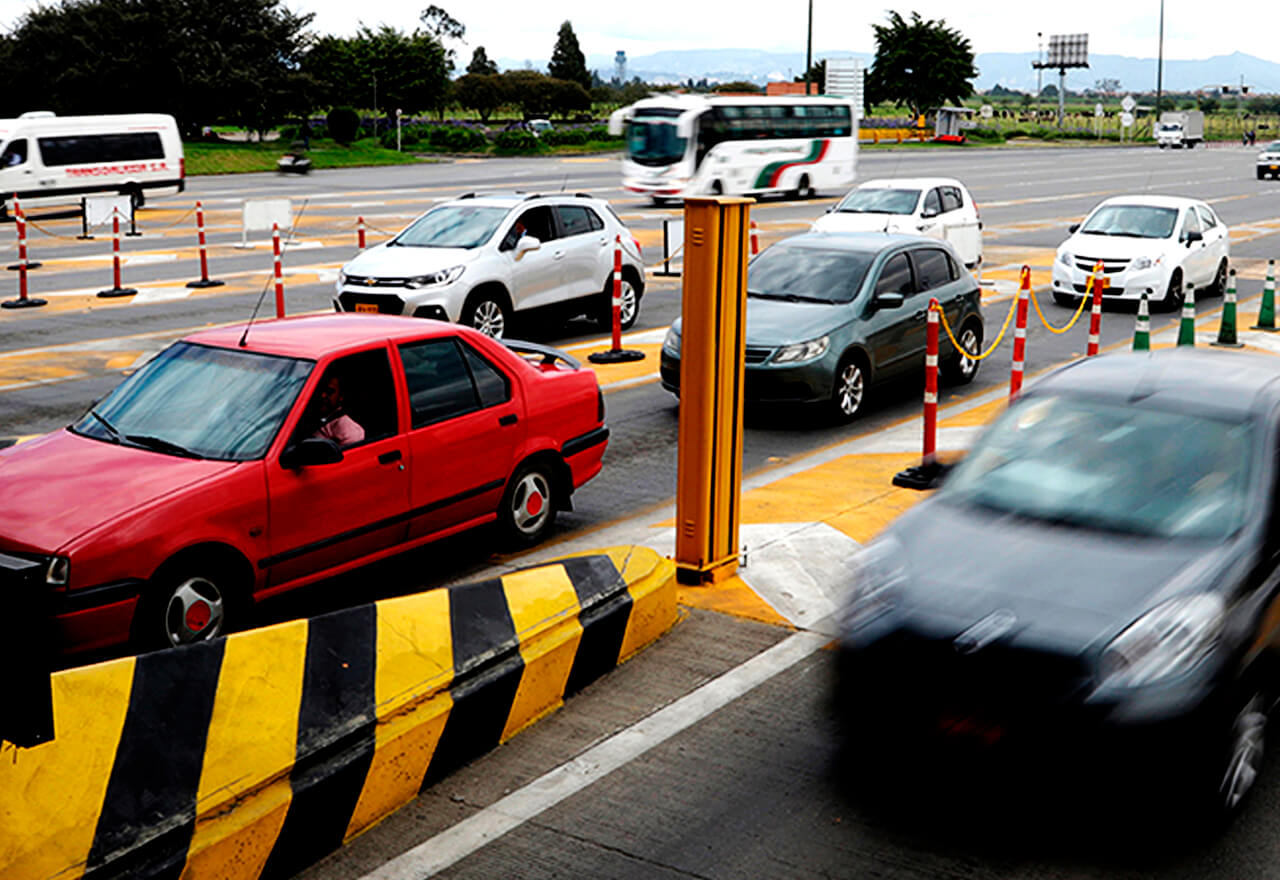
pixel 1009 69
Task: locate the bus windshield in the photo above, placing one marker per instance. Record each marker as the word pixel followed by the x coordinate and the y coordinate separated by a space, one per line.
pixel 653 141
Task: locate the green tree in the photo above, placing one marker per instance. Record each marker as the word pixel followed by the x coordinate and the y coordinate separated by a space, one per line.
pixel 741 85
pixel 1209 104
pixel 817 75
pixel 386 69
pixel 481 92
pixel 441 24
pixel 480 63
pixel 568 98
pixel 567 60
pixel 920 63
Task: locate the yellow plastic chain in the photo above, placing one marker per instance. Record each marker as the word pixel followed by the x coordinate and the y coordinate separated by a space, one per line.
pixel 975 357
pixel 1076 317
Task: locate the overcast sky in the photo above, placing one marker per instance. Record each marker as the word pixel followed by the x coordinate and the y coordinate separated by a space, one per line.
pixel 520 29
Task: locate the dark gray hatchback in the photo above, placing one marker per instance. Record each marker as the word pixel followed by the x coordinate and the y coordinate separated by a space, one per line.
pixel 1094 589
pixel 830 314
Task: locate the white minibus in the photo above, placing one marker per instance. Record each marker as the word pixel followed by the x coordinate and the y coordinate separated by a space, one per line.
pixel 58 160
pixel 680 145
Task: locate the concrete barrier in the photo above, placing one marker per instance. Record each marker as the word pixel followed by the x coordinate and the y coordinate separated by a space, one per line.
pixel 255 755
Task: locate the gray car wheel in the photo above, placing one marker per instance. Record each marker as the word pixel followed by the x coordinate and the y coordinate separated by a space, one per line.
pixel 486 313
pixel 849 394
pixel 1246 744
pixel 528 508
pixel 958 369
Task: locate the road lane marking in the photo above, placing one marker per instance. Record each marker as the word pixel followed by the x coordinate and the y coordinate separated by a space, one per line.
pixel 475 832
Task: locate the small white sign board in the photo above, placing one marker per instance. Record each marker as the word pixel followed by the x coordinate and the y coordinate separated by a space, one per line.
pixel 1097 110
pixel 1126 119
pixel 672 239
pixel 259 215
pixel 986 110
pixel 1128 104
pixel 98 210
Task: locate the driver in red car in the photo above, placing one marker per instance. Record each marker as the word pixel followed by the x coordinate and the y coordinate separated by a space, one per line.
pixel 334 423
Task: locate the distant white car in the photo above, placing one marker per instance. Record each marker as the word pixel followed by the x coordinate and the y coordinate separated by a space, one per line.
pixel 1269 161
pixel 938 207
pixel 538 126
pixel 1147 244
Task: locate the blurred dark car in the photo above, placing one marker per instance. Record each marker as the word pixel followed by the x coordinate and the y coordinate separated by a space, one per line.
pixel 1093 589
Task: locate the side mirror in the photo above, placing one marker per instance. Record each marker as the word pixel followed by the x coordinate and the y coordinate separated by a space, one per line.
pixel 1073 227
pixel 311 452
pixel 928 215
pixel 525 244
pixel 1193 237
pixel 889 300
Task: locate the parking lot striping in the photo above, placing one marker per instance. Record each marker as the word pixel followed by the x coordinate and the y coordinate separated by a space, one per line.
pixel 471 834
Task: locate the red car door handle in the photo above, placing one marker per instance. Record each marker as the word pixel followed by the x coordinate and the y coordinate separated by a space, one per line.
pixel 388 457
pixel 509 419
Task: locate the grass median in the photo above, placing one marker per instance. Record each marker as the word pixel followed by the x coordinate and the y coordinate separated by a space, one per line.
pixel 237 158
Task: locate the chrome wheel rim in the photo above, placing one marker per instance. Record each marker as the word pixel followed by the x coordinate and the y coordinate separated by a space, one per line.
pixel 1247 739
pixel 849 389
pixel 531 503
pixel 627 311
pixel 968 343
pixel 1220 283
pixel 195 612
pixel 488 319
pixel 1175 294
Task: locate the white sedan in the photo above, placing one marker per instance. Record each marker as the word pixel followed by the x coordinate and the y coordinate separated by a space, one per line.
pixel 1269 161
pixel 938 207
pixel 1155 245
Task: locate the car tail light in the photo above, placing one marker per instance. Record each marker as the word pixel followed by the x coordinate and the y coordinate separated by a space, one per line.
pixel 182 167
pixel 599 405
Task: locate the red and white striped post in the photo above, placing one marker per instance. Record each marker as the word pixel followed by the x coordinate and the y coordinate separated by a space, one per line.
pixel 20 218
pixel 616 354
pixel 116 289
pixel 360 240
pixel 204 258
pixel 755 240
pixel 1020 336
pixel 23 301
pixel 1095 311
pixel 925 476
pixel 275 250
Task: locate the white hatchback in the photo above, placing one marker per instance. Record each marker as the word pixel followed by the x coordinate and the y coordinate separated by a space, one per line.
pixel 479 259
pixel 1155 245
pixel 938 207
pixel 1269 161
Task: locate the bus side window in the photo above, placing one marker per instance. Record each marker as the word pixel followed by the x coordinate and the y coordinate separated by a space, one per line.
pixel 15 153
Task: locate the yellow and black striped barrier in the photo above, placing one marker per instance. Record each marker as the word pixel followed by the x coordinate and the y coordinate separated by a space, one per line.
pixel 255 755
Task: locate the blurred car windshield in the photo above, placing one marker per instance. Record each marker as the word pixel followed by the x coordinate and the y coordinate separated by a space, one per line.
pixel 1273 147
pixel 200 401
pixel 808 274
pixel 452 226
pixel 879 201
pixel 655 141
pixel 1122 469
pixel 1132 221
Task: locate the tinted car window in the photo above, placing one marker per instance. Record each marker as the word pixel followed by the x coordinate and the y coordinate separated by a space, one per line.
pixel 537 222
pixel 440 385
pixel 354 402
pixel 931 268
pixel 951 200
pixel 15 153
pixel 491 384
pixel 574 220
pixel 895 277
pixel 932 202
pixel 808 273
pixel 594 219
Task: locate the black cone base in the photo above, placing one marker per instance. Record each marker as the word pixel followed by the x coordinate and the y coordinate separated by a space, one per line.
pixel 117 291
pixel 920 477
pixel 205 282
pixel 615 356
pixel 22 303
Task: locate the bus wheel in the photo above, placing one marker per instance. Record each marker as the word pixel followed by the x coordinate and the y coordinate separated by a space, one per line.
pixel 805 188
pixel 717 188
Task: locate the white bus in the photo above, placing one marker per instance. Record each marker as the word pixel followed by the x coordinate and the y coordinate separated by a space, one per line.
pixel 58 160
pixel 680 145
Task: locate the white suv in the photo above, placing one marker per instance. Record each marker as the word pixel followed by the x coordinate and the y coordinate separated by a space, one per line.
pixel 482 257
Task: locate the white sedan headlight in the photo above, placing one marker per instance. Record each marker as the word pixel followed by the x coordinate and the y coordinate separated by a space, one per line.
pixel 875 572
pixel 1066 258
pixel 1169 640
pixel 444 276
pixel 803 351
pixel 1145 263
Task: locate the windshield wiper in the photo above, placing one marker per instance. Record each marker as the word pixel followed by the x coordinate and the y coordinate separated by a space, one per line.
pixel 800 297
pixel 161 445
pixel 115 435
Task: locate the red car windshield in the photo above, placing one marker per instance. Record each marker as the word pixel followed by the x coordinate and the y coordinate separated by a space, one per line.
pixel 200 402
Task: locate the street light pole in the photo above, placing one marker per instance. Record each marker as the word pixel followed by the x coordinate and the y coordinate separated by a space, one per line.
pixel 1160 64
pixel 808 51
pixel 1039 69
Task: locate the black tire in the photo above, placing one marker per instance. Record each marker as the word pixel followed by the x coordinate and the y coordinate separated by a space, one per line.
pixel 804 188
pixel 195 600
pixel 1262 175
pixel 630 310
pixel 1219 285
pixel 717 188
pixel 849 389
pixel 1174 296
pixel 529 504
pixel 960 370
pixel 1064 299
pixel 488 312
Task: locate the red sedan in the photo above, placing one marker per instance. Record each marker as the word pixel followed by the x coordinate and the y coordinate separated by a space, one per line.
pixel 237 465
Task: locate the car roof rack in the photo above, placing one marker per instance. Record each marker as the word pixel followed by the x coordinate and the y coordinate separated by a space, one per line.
pixel 490 195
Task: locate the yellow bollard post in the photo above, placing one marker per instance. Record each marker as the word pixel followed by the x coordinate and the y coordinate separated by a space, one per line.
pixel 709 449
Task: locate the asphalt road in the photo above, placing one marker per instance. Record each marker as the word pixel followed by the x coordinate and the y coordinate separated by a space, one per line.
pixel 747 790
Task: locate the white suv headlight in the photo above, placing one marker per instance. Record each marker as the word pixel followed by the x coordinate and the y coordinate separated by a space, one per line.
pixel 1066 258
pixel 803 351
pixel 1170 639
pixel 433 279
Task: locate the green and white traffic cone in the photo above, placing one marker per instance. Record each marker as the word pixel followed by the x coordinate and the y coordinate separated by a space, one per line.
pixel 1142 332
pixel 1187 329
pixel 1227 332
pixel 1267 312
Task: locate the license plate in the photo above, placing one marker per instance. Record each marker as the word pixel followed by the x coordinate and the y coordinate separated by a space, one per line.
pixel 1275 167
pixel 367 307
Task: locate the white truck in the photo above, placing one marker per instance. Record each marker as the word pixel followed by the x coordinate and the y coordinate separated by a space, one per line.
pixel 1180 128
